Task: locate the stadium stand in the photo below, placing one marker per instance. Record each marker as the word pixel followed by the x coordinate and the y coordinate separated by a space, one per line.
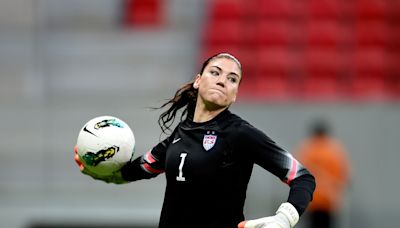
pixel 344 49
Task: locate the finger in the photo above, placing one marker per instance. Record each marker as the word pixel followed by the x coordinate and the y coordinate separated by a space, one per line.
pixel 242 224
pixel 76 158
pixel 87 172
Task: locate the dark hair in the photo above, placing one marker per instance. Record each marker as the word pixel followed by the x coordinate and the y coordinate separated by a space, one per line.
pixel 186 97
pixel 320 127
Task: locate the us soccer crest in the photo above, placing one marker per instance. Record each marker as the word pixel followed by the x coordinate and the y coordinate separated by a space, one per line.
pixel 209 140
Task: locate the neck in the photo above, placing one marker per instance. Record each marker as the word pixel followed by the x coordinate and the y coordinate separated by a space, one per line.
pixel 203 114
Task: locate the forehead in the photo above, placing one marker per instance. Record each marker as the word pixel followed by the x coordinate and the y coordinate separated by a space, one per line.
pixel 226 64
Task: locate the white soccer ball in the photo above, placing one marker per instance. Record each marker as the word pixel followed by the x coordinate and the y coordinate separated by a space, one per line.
pixel 105 144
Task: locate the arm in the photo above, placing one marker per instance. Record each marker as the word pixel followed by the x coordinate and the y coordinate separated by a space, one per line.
pixel 144 167
pixel 266 153
pixel 148 165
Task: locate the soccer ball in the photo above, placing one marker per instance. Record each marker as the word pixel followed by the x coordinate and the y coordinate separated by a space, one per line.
pixel 104 145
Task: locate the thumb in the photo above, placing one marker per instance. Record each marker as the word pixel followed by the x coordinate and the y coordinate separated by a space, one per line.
pixel 252 223
pixel 242 224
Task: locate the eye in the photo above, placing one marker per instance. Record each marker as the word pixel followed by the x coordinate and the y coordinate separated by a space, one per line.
pixel 215 73
pixel 232 79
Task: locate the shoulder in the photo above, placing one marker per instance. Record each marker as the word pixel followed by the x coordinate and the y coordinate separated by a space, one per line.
pixel 242 128
pixel 232 121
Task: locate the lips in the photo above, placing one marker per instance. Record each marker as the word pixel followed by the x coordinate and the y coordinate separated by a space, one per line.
pixel 218 90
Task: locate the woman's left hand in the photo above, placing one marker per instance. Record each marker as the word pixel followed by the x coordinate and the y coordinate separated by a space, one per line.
pixel 286 217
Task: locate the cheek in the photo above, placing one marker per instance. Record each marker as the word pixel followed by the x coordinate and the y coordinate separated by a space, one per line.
pixel 202 89
pixel 232 93
pixel 234 90
pixel 205 85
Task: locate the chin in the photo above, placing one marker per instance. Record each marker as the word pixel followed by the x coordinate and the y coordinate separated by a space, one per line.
pixel 217 101
pixel 219 105
pixel 212 104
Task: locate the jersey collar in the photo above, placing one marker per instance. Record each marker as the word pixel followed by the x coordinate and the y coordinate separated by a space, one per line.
pixel 210 124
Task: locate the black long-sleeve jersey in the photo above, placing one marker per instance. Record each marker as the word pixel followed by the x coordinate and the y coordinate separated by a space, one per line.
pixel 208 167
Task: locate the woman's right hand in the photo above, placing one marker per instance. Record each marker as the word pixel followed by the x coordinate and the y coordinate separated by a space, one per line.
pixel 82 167
pixel 115 178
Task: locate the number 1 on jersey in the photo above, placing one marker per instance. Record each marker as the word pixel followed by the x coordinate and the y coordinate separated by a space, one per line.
pixel 180 177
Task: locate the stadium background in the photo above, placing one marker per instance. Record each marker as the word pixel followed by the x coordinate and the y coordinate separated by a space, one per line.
pixel 64 62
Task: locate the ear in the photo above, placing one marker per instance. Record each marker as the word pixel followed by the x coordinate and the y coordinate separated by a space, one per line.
pixel 197 81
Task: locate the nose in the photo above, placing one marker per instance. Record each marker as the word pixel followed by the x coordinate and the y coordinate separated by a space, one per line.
pixel 221 81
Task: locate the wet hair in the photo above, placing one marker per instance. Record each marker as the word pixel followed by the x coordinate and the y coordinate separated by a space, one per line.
pixel 185 97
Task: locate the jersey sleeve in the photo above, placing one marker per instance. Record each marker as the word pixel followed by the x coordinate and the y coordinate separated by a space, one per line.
pixel 262 150
pixel 149 165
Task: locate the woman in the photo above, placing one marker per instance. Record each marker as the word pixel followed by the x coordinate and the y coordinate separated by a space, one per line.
pixel 209 156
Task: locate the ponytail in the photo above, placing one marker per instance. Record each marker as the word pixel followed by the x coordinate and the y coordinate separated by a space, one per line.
pixel 185 97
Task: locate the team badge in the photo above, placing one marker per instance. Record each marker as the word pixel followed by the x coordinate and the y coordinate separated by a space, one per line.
pixel 209 140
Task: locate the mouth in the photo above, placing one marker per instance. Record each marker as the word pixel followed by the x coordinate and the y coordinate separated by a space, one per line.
pixel 220 91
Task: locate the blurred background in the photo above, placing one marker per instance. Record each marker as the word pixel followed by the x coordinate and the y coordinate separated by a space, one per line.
pixel 65 62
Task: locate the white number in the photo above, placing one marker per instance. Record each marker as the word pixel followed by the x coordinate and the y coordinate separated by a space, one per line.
pixel 181 177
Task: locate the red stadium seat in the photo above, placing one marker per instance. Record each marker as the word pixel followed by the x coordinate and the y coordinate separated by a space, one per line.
pixel 368 86
pixel 371 9
pixel 143 12
pixel 370 69
pixel 395 10
pixel 393 79
pixel 372 34
pixel 326 34
pixel 394 89
pixel 273 9
pixel 227 32
pixel 326 9
pixel 323 60
pixel 227 9
pixel 395 38
pixel 274 69
pixel 210 50
pixel 272 87
pixel 373 61
pixel 321 87
pixel 276 61
pixel 274 33
pixel 321 74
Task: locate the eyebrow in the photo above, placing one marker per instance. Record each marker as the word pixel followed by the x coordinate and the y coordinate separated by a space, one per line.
pixel 231 73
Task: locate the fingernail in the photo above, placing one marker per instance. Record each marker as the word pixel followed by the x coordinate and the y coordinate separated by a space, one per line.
pixel 242 224
pixel 76 158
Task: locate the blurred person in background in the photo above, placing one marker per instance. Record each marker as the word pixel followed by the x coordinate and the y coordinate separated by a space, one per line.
pixel 326 158
pixel 209 156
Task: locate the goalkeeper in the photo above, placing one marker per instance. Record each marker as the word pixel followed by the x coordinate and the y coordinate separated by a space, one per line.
pixel 208 158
